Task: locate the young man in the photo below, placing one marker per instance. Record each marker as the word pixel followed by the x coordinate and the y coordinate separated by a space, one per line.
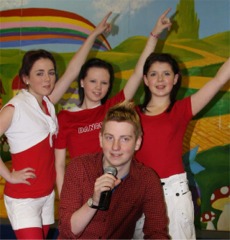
pixel 136 189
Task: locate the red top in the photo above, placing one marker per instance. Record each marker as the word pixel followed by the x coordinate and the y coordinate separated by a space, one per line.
pixel 140 192
pixel 162 145
pixel 41 158
pixel 79 131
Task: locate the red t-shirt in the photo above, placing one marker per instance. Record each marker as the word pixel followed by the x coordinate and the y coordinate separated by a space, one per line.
pixel 162 144
pixel 79 131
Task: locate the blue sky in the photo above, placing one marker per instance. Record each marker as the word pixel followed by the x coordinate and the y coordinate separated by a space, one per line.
pixel 134 17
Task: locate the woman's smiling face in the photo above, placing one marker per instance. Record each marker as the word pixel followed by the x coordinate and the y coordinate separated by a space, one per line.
pixel 41 78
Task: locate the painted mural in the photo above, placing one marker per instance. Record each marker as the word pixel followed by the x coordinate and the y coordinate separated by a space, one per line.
pixel 207 140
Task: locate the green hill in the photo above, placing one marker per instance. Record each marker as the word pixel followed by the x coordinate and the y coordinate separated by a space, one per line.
pixel 131 45
pixel 125 56
pixel 217 44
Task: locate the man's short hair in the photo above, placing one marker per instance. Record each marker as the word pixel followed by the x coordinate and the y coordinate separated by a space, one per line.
pixel 124 112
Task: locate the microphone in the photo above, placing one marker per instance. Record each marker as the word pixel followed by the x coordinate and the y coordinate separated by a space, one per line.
pixel 105 197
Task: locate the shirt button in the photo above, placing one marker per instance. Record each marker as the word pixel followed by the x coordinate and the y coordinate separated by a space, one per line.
pixel 177 194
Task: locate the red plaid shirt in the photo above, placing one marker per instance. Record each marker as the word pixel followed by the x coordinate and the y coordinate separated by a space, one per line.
pixel 140 192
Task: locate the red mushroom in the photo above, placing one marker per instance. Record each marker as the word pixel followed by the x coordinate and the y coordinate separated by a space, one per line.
pixel 208 217
pixel 220 200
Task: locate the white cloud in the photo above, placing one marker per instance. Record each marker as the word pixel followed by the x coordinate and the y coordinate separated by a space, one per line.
pixel 11 4
pixel 118 7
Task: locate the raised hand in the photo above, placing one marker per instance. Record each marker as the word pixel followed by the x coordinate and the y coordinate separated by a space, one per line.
pixel 21 176
pixel 103 26
pixel 163 22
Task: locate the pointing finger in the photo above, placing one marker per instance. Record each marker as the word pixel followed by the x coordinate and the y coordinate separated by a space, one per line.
pixel 166 12
pixel 107 16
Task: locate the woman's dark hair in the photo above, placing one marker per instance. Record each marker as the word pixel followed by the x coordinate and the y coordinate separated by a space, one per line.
pixel 163 58
pixel 30 58
pixel 98 63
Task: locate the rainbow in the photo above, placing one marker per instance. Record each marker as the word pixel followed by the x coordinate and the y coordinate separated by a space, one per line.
pixel 31 26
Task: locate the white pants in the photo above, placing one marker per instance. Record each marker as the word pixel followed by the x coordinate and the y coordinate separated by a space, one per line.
pixel 138 233
pixel 180 209
pixel 30 212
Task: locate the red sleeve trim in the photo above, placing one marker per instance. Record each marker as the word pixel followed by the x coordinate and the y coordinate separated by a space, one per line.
pixel 10 105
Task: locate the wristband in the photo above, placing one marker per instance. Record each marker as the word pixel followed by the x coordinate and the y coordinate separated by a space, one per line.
pixel 154 35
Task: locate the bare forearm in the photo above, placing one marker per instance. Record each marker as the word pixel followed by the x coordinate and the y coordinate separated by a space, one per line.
pixel 81 218
pixel 135 80
pixel 80 56
pixel 202 97
pixel 149 48
pixel 60 165
pixel 73 68
pixel 223 74
pixel 78 60
pixel 60 179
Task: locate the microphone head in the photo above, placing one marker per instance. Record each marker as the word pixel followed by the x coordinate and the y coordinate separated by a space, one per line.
pixel 110 170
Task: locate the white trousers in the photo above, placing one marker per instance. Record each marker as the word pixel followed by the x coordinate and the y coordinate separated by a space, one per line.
pixel 180 209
